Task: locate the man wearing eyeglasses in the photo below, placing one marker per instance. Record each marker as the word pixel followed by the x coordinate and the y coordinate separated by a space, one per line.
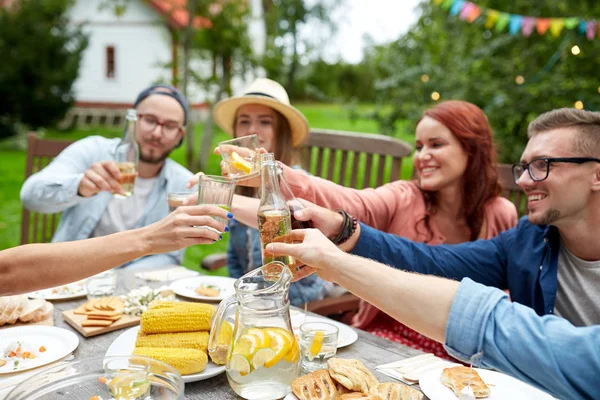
pixel 80 181
pixel 551 260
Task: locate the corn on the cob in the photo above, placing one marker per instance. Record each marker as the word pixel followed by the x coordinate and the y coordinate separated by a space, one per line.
pixel 190 340
pixel 186 361
pixel 178 317
pixel 219 354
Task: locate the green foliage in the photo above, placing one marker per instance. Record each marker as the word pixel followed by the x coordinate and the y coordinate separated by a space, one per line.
pixel 466 61
pixel 42 54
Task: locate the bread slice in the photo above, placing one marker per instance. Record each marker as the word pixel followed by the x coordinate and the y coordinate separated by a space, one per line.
pixel 32 310
pixel 10 308
pixel 457 378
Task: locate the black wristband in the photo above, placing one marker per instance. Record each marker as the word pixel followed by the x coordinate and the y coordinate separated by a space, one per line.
pixel 348 227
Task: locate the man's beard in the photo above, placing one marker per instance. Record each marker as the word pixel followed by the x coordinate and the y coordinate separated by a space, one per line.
pixel 548 218
pixel 154 159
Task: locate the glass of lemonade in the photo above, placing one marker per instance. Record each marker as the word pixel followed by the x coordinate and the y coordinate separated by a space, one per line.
pixel 241 157
pixel 176 199
pixel 318 343
pixel 128 172
pixel 216 190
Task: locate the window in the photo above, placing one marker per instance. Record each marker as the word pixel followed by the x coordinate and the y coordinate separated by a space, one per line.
pixel 110 62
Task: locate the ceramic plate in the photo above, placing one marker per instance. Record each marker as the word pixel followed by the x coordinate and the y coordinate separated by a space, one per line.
pixel 185 287
pixel 125 343
pixel 503 387
pixel 58 343
pixel 346 335
pixel 65 292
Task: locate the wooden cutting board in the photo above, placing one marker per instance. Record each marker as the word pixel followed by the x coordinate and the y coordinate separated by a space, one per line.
pixel 48 321
pixel 75 321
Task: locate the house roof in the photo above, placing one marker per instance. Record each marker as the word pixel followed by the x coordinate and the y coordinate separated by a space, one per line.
pixel 176 13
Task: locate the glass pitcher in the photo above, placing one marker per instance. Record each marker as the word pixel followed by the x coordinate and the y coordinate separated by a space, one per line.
pixel 262 358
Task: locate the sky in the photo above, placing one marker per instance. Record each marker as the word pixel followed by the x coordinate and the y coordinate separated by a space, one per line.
pixel 383 20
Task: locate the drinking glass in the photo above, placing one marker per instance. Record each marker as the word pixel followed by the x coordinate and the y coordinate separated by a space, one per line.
pixel 101 285
pixel 241 157
pixel 216 190
pixel 175 199
pixel 318 343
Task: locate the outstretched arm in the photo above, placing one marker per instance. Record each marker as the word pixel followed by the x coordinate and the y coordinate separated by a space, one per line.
pixel 37 266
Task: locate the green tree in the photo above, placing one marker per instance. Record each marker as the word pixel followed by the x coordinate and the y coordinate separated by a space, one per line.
pixel 41 57
pixel 458 60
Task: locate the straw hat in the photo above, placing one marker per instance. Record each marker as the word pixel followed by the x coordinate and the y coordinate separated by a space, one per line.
pixel 269 93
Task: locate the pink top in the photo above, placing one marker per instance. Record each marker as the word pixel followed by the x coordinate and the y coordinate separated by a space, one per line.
pixel 395 208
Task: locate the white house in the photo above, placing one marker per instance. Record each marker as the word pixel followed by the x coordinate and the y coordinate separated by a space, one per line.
pixel 129 52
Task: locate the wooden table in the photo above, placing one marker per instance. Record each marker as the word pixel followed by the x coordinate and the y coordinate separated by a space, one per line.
pixel 371 349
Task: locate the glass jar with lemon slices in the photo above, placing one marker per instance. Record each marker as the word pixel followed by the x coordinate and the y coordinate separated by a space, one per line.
pixel 241 157
pixel 262 360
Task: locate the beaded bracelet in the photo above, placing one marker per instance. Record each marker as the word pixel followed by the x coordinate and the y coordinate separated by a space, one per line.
pixel 348 227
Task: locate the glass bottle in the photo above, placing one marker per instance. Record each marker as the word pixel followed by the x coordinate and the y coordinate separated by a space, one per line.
pixel 273 212
pixel 293 203
pixel 127 155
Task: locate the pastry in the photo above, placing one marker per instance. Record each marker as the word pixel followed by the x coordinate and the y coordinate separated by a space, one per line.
pixel 396 391
pixel 457 378
pixel 315 386
pixel 352 374
pixel 359 396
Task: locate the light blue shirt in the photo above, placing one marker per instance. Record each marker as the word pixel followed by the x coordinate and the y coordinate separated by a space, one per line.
pixel 54 189
pixel 547 352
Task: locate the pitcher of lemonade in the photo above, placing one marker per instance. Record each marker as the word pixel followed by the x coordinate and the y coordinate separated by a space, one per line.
pixel 262 359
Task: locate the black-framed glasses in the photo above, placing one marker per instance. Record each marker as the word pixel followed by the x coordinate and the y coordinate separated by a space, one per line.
pixel 149 122
pixel 540 167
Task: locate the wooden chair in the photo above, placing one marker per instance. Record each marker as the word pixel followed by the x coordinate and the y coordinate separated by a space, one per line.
pixel 512 191
pixel 36 227
pixel 351 159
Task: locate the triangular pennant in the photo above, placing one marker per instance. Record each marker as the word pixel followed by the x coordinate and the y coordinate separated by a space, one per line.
pixel 457 6
pixel 474 14
pixel 556 26
pixel 492 17
pixel 582 28
pixel 466 10
pixel 542 25
pixel 514 24
pixel 591 30
pixel 528 25
pixel 571 23
pixel 446 4
pixel 503 19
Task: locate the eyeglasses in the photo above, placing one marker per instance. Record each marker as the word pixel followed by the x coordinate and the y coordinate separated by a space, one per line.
pixel 148 123
pixel 540 168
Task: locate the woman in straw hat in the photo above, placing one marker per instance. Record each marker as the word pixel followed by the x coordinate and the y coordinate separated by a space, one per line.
pixel 264 110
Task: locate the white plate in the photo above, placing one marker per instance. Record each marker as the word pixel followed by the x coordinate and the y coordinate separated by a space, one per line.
pixel 125 343
pixel 64 292
pixel 502 387
pixel 346 335
pixel 185 287
pixel 58 342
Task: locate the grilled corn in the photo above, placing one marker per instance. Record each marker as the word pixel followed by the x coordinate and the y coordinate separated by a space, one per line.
pixel 186 361
pixel 189 340
pixel 167 317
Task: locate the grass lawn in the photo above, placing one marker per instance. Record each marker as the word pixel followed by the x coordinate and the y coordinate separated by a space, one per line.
pixel 12 166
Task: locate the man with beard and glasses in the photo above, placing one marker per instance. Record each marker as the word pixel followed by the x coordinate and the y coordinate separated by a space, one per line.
pixel 81 180
pixel 551 260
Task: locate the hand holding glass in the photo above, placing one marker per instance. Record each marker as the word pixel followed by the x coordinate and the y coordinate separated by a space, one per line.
pixel 216 190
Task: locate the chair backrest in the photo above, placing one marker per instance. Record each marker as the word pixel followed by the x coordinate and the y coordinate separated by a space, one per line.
pixel 354 159
pixel 512 191
pixel 36 227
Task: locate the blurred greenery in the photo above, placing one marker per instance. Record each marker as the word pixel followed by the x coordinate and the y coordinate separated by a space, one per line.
pixel 12 165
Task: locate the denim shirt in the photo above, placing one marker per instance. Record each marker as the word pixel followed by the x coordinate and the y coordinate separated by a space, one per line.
pixel 244 255
pixel 54 189
pixel 548 351
pixel 523 260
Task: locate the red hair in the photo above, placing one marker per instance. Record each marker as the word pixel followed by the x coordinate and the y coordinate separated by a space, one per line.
pixel 469 125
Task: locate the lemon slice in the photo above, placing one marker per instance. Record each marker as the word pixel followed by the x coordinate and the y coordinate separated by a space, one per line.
pixel 246 345
pixel 292 355
pixel 261 357
pixel 280 344
pixel 129 385
pixel 240 364
pixel 240 164
pixel 317 343
pixel 265 339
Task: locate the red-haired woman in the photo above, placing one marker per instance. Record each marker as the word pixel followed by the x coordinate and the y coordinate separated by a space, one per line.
pixel 456 198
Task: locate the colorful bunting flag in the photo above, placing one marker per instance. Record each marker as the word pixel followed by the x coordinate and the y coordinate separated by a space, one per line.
pixel 498 20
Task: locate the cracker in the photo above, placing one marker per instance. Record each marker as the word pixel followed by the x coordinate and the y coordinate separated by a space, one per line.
pixel 96 322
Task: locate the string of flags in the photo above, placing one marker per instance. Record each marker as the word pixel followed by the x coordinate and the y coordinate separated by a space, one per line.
pixel 499 20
